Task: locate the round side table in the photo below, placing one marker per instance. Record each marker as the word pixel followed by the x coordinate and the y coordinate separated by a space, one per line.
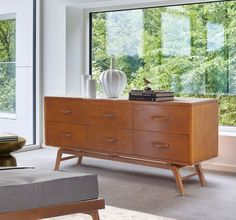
pixel 6 159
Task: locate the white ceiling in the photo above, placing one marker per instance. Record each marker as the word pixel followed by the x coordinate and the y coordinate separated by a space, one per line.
pixel 107 3
pixel 118 1
pixel 93 4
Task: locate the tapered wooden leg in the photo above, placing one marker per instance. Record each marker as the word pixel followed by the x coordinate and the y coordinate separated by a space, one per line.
pixel 95 215
pixel 200 174
pixel 58 160
pixel 80 160
pixel 178 179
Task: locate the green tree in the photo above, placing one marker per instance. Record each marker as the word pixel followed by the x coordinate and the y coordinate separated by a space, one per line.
pixel 206 70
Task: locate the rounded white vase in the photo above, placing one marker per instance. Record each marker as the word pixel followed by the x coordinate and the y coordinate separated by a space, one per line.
pixel 113 81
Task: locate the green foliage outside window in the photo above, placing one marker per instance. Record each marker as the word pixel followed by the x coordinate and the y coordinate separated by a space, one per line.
pixel 7 65
pixel 189 49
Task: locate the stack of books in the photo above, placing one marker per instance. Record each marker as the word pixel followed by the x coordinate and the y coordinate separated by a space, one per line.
pixel 141 95
pixel 8 137
pixel 151 95
pixel 162 95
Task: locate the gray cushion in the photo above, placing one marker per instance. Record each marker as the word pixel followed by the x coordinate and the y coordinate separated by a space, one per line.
pixel 30 188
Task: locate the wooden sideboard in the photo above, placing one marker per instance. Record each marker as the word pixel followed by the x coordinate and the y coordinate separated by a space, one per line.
pixel 169 135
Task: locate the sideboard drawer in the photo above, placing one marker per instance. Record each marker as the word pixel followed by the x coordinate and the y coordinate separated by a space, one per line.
pixel 111 114
pixel 65 135
pixel 65 110
pixel 162 118
pixel 110 139
pixel 161 145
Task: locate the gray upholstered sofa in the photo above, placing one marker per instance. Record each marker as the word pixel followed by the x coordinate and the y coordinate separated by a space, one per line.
pixel 35 194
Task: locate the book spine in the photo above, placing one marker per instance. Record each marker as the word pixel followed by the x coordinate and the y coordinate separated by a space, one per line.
pixel 164 94
pixel 164 99
pixel 141 98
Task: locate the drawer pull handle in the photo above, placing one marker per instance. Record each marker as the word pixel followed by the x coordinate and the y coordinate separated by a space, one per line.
pixel 109 115
pixel 160 145
pixel 65 112
pixel 110 139
pixel 160 118
pixel 67 134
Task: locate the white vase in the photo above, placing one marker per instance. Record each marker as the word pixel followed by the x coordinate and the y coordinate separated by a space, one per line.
pixel 91 88
pixel 84 79
pixel 113 81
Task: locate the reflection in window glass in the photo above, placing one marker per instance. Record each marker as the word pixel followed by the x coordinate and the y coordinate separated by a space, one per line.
pixel 190 49
pixel 124 33
pixel 215 36
pixel 175 35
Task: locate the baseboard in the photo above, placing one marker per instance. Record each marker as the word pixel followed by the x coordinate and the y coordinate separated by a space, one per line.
pixel 28 148
pixel 219 167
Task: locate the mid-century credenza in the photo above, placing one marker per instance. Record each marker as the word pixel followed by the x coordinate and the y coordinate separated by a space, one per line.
pixel 169 135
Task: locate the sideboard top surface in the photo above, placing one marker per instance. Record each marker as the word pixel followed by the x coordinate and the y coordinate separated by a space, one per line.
pixel 177 100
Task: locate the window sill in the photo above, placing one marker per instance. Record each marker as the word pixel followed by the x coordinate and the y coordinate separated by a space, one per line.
pixel 227 131
pixel 5 115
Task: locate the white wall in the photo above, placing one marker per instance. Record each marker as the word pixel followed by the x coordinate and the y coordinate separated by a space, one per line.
pixel 62 47
pixel 53 47
pixel 226 161
pixel 74 49
pixel 64 56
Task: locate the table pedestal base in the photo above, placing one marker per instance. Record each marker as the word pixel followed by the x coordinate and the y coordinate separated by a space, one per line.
pixel 7 161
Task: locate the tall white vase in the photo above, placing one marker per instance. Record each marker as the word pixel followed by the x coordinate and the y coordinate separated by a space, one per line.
pixel 113 81
pixel 84 79
pixel 91 88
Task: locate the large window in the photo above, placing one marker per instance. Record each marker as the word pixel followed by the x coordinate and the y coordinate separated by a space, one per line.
pixel 17 68
pixel 7 64
pixel 189 49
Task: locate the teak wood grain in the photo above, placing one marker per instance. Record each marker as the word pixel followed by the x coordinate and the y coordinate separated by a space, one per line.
pixel 204 133
pixel 65 110
pixel 176 133
pixel 110 139
pixel 162 118
pixel 162 145
pixel 116 115
pixel 89 207
pixel 67 135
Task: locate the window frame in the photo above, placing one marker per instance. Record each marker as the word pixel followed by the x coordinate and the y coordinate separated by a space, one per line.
pixel 12 116
pixel 4 17
pixel 34 69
